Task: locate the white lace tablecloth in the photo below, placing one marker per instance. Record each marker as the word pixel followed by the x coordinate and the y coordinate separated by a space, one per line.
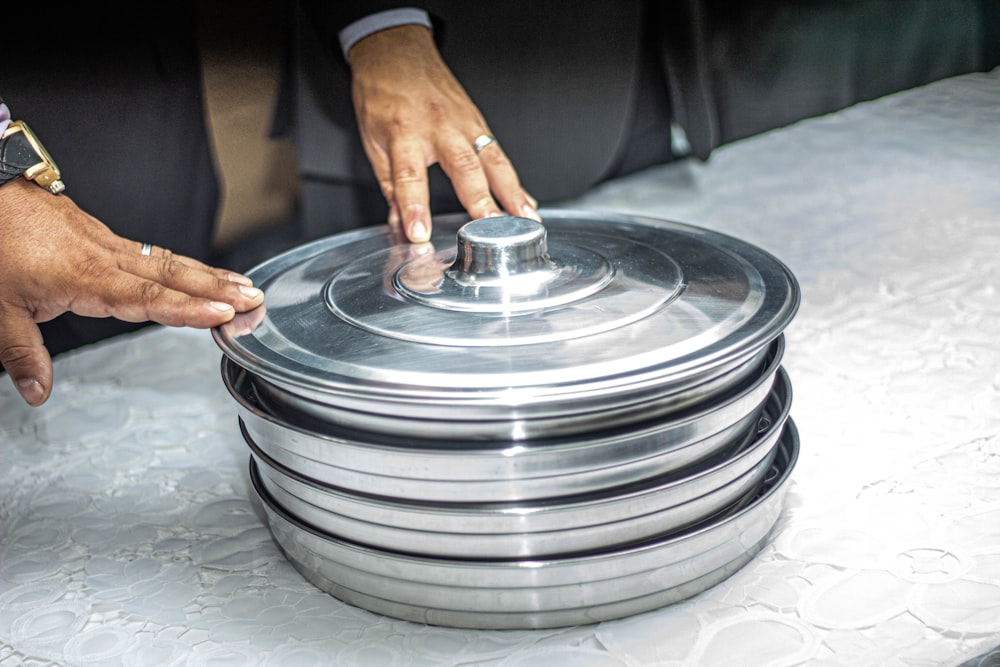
pixel 128 537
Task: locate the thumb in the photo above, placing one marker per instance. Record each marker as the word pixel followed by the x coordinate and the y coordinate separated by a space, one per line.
pixel 23 355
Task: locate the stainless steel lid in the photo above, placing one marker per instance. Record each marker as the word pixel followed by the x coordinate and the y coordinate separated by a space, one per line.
pixel 504 317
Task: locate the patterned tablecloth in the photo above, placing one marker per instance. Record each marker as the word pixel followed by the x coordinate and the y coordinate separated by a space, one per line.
pixel 128 537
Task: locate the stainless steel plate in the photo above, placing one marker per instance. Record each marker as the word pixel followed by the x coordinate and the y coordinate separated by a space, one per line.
pixel 514 424
pixel 611 518
pixel 450 470
pixel 536 593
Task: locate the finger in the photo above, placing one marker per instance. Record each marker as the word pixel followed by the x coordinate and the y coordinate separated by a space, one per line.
pixel 460 162
pixel 505 184
pixel 154 253
pixel 382 167
pixel 191 277
pixel 111 291
pixel 23 355
pixel 410 191
pixel 393 217
pixel 135 299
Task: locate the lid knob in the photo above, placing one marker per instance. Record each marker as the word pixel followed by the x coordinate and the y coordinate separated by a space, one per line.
pixel 502 266
pixel 491 250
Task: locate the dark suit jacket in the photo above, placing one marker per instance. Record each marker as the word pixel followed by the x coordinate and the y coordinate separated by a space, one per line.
pixel 116 99
pixel 555 80
pixel 573 88
pixel 576 90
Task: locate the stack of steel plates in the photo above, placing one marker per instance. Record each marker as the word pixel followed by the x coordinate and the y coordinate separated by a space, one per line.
pixel 518 425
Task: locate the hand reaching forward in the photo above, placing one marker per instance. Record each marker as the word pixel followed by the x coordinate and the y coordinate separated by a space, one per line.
pixel 413 113
pixel 55 258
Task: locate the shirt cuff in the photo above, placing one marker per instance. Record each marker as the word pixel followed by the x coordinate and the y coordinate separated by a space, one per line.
pixel 4 117
pixel 373 23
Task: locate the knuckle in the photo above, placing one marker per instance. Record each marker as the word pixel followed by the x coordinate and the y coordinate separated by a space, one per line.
pixel 407 174
pixel 149 291
pixel 400 122
pixel 12 356
pixel 463 159
pixel 485 205
pixel 170 268
pixel 94 267
pixel 412 210
pixel 495 158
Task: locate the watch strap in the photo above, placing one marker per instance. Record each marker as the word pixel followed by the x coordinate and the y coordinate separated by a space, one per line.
pixel 22 154
pixel 16 156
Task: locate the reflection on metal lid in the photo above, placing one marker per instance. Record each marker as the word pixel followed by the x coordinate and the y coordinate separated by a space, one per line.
pixel 505 311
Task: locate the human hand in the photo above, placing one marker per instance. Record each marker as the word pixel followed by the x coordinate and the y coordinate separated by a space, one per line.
pixel 412 112
pixel 55 258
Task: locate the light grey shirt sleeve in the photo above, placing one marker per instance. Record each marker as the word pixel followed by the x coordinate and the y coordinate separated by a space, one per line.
pixel 373 23
pixel 4 117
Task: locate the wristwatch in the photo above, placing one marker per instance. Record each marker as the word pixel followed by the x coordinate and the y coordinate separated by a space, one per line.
pixel 22 154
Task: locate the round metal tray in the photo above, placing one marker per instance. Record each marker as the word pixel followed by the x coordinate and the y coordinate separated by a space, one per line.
pixel 537 593
pixel 502 328
pixel 514 423
pixel 486 471
pixel 610 518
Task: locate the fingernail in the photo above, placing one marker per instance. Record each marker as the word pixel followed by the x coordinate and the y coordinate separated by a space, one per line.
pixel 492 214
pixel 418 231
pixel 31 390
pixel 528 211
pixel 221 307
pixel 250 292
pixel 237 278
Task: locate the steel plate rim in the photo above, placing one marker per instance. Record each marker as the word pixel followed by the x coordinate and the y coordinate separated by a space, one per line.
pixel 777 487
pixel 737 462
pixel 489 448
pixel 665 373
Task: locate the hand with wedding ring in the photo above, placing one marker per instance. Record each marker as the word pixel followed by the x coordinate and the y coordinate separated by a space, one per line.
pixel 412 113
pixel 55 258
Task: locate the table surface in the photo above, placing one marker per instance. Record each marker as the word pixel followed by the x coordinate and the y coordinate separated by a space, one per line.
pixel 128 535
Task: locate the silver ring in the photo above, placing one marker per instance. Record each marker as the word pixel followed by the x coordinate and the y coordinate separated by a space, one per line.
pixel 481 142
pixel 146 249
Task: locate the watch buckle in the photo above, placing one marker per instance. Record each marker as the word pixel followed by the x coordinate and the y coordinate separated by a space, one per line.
pixel 44 175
